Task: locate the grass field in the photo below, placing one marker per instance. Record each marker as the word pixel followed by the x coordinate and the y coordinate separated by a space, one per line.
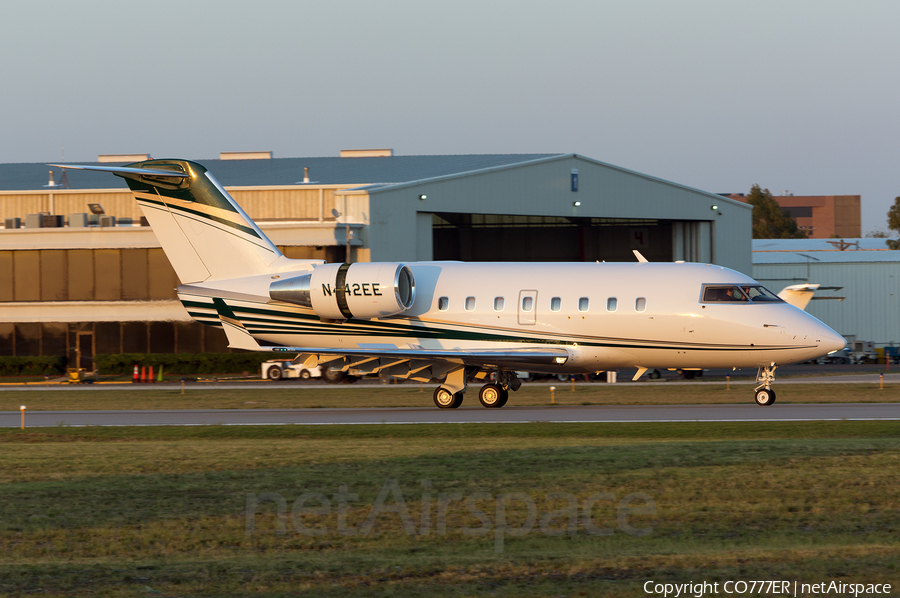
pixel 147 511
pixel 271 396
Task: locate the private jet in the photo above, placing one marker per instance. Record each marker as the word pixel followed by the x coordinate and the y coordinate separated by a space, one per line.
pixel 459 323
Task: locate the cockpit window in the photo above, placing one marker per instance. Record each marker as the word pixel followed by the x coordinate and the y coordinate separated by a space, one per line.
pixel 759 294
pixel 738 294
pixel 722 294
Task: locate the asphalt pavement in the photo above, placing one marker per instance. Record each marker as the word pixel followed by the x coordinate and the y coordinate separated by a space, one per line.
pixel 432 415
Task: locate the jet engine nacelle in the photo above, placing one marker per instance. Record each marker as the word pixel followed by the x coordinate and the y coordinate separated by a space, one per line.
pixel 344 291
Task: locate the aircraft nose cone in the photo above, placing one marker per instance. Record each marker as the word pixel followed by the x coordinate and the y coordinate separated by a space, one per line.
pixel 830 340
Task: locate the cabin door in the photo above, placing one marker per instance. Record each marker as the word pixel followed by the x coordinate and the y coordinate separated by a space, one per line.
pixel 527 307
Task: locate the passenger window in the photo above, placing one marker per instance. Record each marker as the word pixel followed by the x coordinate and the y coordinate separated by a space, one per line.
pixel 583 304
pixel 640 304
pixel 527 303
pixel 498 303
pixel 611 304
pixel 443 304
pixel 470 303
pixel 555 304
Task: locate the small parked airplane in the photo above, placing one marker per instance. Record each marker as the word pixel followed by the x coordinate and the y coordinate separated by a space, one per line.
pixel 461 322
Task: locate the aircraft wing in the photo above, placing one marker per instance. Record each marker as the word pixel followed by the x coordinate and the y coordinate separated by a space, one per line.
pixel 414 362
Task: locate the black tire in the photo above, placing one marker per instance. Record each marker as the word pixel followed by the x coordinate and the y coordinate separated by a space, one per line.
pixel 765 397
pixel 503 398
pixel 274 373
pixel 444 399
pixel 305 375
pixel 654 374
pixel 688 374
pixel 333 376
pixel 491 396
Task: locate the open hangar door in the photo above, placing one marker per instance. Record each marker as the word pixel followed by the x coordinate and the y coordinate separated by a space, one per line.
pixel 500 238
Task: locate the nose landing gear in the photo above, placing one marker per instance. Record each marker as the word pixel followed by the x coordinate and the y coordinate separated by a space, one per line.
pixel 765 396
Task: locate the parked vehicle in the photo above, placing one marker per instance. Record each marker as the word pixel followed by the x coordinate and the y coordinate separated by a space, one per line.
pixel 842 356
pixel 892 354
pixel 280 369
pixel 863 352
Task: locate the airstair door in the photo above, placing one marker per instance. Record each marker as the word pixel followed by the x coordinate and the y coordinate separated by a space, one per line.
pixel 527 307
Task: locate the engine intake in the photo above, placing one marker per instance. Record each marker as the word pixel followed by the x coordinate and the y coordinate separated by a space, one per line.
pixel 344 291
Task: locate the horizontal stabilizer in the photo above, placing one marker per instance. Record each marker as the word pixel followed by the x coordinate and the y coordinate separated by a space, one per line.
pixel 126 170
pixel 798 295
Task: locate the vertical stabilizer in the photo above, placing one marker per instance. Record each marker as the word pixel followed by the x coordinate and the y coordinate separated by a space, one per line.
pixel 202 230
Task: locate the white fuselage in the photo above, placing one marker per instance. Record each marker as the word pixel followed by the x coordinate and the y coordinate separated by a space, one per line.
pixel 657 318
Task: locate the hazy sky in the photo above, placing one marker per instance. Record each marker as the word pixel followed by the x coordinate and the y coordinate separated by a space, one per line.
pixel 719 95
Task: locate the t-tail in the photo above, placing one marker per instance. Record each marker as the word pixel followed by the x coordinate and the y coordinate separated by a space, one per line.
pixel 203 231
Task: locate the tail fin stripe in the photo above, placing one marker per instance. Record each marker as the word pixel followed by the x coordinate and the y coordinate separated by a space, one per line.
pixel 218 219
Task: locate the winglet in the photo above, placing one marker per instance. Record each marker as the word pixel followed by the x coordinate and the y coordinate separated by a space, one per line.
pixel 640 257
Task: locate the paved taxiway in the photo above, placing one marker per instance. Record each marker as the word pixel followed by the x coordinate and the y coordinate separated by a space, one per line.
pixel 421 415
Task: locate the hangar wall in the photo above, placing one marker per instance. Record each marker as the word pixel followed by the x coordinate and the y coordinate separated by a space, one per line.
pixel 544 188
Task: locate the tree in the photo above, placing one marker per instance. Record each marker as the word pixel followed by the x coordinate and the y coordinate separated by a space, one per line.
pixel 770 220
pixel 894 223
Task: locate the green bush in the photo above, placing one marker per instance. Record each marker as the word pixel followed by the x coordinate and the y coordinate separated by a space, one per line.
pixel 32 366
pixel 181 363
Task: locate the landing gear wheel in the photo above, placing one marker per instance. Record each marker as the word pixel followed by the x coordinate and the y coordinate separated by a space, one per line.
pixel 445 399
pixel 333 376
pixel 491 396
pixel 274 373
pixel 765 397
pixel 504 396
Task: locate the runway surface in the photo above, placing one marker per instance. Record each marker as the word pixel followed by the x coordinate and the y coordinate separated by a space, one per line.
pixel 814 375
pixel 432 415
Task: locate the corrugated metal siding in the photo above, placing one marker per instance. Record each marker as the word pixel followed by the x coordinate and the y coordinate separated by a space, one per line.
pixel 285 204
pixel 119 204
pixel 302 203
pixel 871 310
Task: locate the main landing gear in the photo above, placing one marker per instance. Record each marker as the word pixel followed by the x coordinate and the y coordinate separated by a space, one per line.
pixel 492 395
pixel 765 396
pixel 445 399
